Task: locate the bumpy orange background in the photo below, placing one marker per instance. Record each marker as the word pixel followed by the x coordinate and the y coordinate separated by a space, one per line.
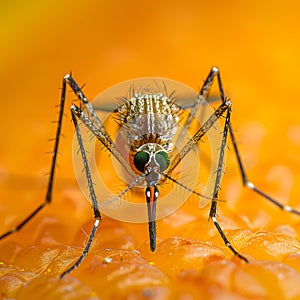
pixel 255 44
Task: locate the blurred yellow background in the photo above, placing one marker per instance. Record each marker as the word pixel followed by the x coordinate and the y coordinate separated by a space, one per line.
pixel 255 44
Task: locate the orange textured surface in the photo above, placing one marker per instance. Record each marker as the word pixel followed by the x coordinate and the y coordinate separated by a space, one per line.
pixel 256 46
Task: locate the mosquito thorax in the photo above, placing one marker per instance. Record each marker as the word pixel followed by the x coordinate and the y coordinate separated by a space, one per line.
pixel 149 118
pixel 151 158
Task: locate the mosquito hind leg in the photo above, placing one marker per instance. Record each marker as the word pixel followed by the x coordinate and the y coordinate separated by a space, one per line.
pixel 48 197
pixel 241 167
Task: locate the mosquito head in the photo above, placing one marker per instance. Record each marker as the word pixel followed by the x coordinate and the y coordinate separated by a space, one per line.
pixel 151 159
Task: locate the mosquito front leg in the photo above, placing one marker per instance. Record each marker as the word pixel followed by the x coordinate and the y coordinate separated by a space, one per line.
pixel 213 208
pixel 97 214
pixel 101 136
pixel 198 135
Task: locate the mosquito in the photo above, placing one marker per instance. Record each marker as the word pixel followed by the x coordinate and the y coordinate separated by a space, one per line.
pixel 156 134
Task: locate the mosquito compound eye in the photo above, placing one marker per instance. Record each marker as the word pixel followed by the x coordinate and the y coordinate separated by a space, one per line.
pixel 163 160
pixel 141 158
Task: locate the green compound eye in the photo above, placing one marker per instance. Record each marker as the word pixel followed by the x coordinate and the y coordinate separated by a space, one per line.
pixel 141 158
pixel 163 160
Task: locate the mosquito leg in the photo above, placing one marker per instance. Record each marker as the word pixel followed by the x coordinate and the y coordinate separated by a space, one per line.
pixel 250 185
pixel 92 119
pixel 198 135
pixel 48 197
pixel 86 168
pixel 97 214
pixel 87 105
pixel 202 95
pixel 201 98
pixel 226 241
pixel 67 80
pixel 102 137
pixel 213 208
pixel 244 177
pixel 85 251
